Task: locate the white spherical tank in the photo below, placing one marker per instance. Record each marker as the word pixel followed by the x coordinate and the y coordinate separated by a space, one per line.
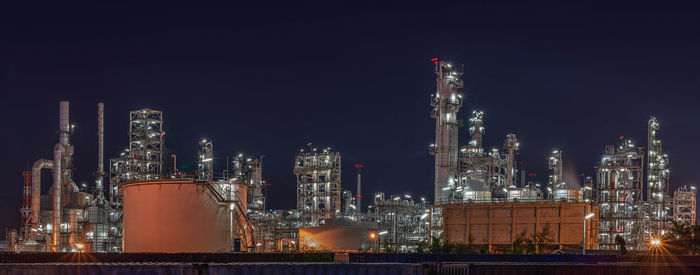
pixel 175 216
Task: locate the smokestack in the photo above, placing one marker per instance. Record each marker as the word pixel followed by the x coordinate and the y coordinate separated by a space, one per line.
pixel 359 188
pixel 100 146
pixel 63 124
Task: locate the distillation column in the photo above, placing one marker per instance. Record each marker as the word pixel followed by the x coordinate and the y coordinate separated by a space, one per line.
pixel 446 103
pixel 556 179
pixel 657 180
pixel 476 131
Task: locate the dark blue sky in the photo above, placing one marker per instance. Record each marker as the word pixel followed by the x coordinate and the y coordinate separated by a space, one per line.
pixel 267 79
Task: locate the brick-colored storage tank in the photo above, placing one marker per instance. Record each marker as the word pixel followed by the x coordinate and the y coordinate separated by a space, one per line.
pixel 174 216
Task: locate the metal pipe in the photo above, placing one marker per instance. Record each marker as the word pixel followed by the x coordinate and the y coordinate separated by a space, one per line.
pixel 100 146
pixel 57 155
pixel 36 187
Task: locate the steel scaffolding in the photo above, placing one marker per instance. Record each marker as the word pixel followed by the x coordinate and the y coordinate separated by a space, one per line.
pixel 684 204
pixel 318 185
pixel 618 192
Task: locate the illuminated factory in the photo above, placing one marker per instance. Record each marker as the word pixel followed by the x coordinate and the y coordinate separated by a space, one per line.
pixel 483 197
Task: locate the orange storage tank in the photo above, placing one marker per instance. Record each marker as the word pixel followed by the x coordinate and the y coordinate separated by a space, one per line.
pixel 175 216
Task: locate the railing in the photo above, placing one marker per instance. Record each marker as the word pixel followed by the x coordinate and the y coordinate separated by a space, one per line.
pixel 503 200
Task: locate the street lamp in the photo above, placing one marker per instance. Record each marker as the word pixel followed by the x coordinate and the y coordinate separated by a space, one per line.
pixel 584 231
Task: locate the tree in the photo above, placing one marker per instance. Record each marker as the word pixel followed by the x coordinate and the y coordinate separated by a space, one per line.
pixel 460 248
pixel 523 243
pixel 542 238
pixel 421 247
pixel 619 240
pixel 470 248
pixel 435 245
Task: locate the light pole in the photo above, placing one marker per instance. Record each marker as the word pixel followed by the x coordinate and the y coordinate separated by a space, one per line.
pixel 587 217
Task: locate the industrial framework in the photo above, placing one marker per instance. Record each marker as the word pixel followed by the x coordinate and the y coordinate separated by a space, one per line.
pixel 318 185
pixel 631 197
pixel 684 203
pixel 622 179
pixel 657 217
pixel 619 178
pixel 70 218
pixel 402 222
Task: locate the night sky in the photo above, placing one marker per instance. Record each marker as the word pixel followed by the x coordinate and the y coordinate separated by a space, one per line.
pixel 267 79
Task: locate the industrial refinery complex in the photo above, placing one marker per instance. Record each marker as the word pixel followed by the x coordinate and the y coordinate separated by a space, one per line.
pixel 482 197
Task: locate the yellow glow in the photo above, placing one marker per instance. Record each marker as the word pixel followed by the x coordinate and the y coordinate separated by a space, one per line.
pixel 655 242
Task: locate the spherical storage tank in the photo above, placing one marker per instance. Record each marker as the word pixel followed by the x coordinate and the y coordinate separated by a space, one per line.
pixel 174 216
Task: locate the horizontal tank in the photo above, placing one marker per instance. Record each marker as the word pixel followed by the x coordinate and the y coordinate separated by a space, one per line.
pixel 522 194
pixel 476 195
pixel 567 194
pixel 176 216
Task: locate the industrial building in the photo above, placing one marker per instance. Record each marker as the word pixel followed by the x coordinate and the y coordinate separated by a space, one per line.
pixel 684 204
pixel 493 227
pixel 619 178
pixel 633 199
pixel 318 185
pixel 402 222
pixel 483 196
pixel 68 218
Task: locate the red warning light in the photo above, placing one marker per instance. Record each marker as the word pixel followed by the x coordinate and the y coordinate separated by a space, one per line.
pixel 435 60
pixel 358 196
pixel 358 166
pixel 621 137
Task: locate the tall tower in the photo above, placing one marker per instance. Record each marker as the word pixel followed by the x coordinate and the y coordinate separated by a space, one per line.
pixel 205 161
pixel 512 148
pixel 556 179
pixel 618 194
pixel 476 131
pixel 446 103
pixel 657 181
pixel 318 185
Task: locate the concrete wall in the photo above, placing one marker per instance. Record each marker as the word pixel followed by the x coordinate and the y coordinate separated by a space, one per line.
pixel 495 225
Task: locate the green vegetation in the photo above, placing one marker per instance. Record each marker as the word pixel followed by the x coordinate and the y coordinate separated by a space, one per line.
pixel 542 238
pixel 684 239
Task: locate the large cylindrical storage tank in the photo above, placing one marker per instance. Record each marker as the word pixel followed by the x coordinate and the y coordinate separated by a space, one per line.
pixel 174 216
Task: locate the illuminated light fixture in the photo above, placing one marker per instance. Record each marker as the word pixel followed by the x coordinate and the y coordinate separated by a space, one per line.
pixel 207 160
pixel 655 242
pixel 589 216
pixel 383 232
